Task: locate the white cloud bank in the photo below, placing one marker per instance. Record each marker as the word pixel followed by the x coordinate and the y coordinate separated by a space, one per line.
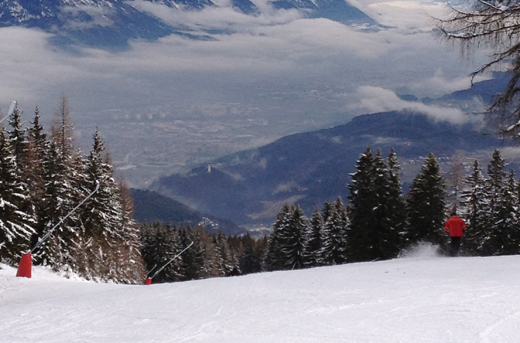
pixel 269 64
pixel 377 99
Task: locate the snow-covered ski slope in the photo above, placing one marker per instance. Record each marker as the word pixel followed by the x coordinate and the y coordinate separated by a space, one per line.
pixel 416 299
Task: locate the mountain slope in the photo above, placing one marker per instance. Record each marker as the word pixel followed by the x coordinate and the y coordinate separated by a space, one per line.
pixel 111 23
pixel 151 206
pixel 98 23
pixel 408 300
pixel 249 187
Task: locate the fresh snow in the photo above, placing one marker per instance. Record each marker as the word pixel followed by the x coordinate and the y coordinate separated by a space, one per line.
pixel 421 298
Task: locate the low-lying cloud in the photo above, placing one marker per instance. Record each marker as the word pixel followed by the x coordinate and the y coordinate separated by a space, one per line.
pixel 376 99
pixel 276 65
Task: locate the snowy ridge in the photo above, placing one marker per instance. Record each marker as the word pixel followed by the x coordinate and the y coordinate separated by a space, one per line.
pixel 422 298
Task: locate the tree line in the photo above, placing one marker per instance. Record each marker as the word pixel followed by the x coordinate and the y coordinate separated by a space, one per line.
pixel 380 222
pixel 44 176
pixel 211 255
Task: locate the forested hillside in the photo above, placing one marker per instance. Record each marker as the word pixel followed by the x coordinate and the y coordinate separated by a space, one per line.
pixel 44 177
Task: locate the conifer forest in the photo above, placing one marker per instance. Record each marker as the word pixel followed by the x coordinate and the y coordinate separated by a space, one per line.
pixel 45 178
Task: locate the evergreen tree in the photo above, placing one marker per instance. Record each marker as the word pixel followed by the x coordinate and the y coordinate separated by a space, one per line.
pixel 312 248
pixel 505 238
pixel 38 150
pixel 225 261
pixel 327 210
pixel 474 210
pixel 496 190
pixel 426 204
pixel 60 197
pixel 15 225
pixel 376 217
pixel 335 231
pixel 131 266
pixel 192 260
pixel 274 258
pixel 251 261
pixel 395 209
pixel 18 140
pixel 292 240
pixel 160 244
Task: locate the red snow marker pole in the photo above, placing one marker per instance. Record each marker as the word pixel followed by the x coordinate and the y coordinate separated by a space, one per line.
pixel 148 281
pixel 25 266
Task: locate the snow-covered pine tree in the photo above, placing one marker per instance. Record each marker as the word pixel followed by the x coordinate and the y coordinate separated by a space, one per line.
pixel 334 238
pixel 15 224
pixel 474 210
pixel 60 250
pixel 312 248
pixel 20 146
pixel 362 203
pixel 505 226
pixel 393 236
pixel 426 204
pixel 495 192
pixel 38 150
pixel 130 261
pixel 274 259
pixel 327 210
pixel 224 258
pixel 292 240
pixel 210 268
pixel 374 233
pixel 102 218
pixel 63 175
pixel 19 141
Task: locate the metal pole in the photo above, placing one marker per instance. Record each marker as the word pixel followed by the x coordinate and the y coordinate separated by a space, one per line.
pixel 44 237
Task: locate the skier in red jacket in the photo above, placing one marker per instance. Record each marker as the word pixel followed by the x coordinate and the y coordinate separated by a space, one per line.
pixel 456 227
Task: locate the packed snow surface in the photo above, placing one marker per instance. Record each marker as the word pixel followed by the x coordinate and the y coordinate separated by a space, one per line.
pixel 421 298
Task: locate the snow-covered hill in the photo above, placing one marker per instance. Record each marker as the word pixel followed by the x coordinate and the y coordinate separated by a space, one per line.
pixel 421 298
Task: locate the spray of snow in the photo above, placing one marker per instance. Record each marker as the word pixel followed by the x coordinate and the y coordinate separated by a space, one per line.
pixel 422 251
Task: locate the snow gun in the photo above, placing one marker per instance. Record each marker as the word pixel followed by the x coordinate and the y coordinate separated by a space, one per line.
pixel 25 266
pixel 148 280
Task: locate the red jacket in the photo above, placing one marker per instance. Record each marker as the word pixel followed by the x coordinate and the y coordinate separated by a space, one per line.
pixel 455 226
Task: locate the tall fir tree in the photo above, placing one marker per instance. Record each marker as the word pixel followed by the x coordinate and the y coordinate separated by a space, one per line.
pixel 292 240
pixel 224 258
pixel 374 231
pixel 38 150
pixel 395 208
pixel 59 251
pixel 313 240
pixel 474 210
pixel 505 225
pixel 19 141
pixel 426 204
pixel 15 224
pixel 335 231
pixel 274 258
pixel 495 191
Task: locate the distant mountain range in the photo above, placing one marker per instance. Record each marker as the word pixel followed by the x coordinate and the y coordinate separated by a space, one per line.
pixel 151 206
pixel 111 23
pixel 249 187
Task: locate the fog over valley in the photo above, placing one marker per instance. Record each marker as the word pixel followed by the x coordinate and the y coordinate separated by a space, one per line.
pixel 168 104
